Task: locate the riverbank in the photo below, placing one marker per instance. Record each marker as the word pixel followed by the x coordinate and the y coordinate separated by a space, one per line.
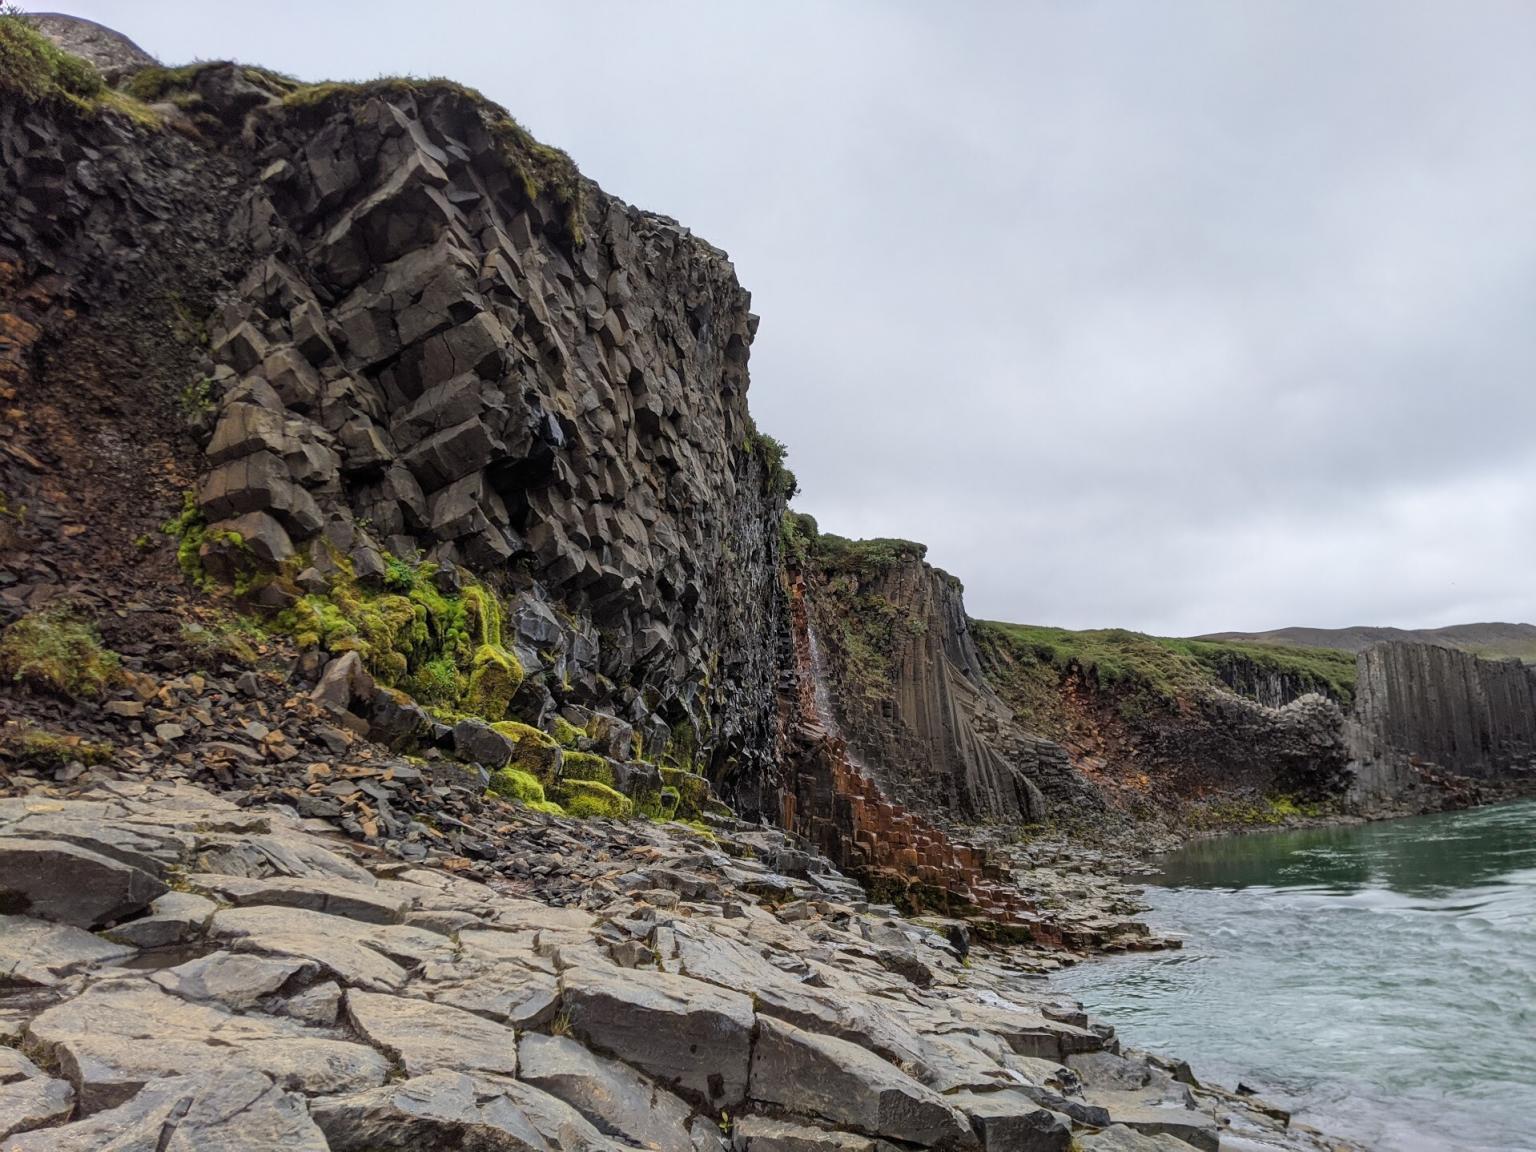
pixel 1372 978
pixel 356 997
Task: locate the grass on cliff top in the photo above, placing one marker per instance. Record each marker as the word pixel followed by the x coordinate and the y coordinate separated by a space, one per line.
pixel 1169 667
pixel 38 71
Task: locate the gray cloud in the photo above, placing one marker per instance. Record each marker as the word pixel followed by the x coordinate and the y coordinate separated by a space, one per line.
pixel 1180 317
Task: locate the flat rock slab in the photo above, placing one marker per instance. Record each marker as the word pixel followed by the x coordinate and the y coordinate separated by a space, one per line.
pixel 1119 1138
pixel 34 1103
pixel 371 956
pixel 233 1111
pixel 427 1037
pixel 1012 1122
pixel 1152 1118
pixel 766 1134
pixel 839 1082
pixel 90 826
pixel 331 895
pixel 688 1034
pixel 446 1110
pixel 237 981
pixel 612 1096
pixel 504 992
pixel 120 1035
pixel 14 1066
pixel 174 918
pixel 55 880
pixel 36 952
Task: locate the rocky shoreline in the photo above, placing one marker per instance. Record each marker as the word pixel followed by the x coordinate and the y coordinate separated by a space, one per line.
pixel 603 985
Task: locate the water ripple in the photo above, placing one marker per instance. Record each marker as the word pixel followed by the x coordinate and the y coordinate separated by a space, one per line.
pixel 1379 980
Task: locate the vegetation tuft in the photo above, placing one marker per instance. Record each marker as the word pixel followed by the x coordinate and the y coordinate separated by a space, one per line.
pixel 38 71
pixel 55 650
pixel 773 452
pixel 39 750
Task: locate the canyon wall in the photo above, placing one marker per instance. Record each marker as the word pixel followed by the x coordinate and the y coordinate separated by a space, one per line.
pixel 907 693
pixel 1421 705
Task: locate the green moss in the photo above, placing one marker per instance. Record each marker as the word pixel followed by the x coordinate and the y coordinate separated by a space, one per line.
pixel 188 529
pixel 660 805
pixel 444 650
pixel 437 683
pixel 536 752
pixel 231 641
pixel 567 734
pixel 682 748
pixel 515 784
pixel 33 67
pixel 548 807
pixel 56 651
pixel 586 766
pixel 494 677
pixel 156 84
pixel 1252 812
pixel 42 751
pixel 589 799
pixel 865 559
pixel 693 791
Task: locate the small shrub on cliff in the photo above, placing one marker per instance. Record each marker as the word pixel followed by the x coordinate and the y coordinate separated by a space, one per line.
pixel 56 651
pixel 797 537
pixel 866 559
pixel 781 481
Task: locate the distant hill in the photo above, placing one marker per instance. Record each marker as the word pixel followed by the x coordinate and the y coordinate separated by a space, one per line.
pixel 1494 640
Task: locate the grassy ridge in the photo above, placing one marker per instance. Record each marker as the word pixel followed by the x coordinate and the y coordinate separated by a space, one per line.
pixel 1170 667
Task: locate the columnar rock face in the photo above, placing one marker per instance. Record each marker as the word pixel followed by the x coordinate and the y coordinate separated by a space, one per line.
pixel 838 805
pixel 908 694
pixel 1440 706
pixel 433 338
pixel 1271 687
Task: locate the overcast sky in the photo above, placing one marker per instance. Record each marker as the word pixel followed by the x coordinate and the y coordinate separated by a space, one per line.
pixel 1181 316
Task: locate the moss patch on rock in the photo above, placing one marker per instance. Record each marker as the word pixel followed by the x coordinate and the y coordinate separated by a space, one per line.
pixel 39 750
pixel 692 789
pixel 536 752
pixel 515 784
pixel 567 734
pixel 586 766
pixel 590 799
pixel 445 650
pixel 57 651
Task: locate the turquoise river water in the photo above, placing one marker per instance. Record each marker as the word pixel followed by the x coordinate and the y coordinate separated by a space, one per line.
pixel 1379 980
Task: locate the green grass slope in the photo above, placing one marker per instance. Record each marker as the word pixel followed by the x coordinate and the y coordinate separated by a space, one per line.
pixel 1169 667
pixel 1494 640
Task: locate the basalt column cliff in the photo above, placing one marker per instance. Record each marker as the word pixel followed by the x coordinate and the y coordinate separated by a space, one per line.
pixel 414 339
